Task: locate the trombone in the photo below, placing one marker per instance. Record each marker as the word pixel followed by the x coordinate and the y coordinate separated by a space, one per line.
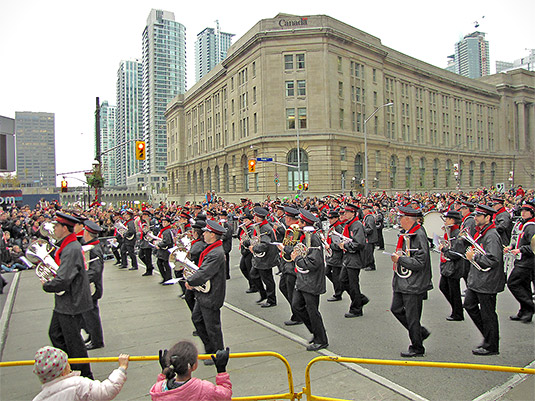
pixel 478 249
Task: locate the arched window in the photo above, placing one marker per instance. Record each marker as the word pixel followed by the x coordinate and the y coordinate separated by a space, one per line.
pixel 226 178
pixel 408 171
pixel 422 172
pixel 209 179
pixel 172 186
pixel 245 170
pixel 493 173
pixel 201 181
pixel 359 168
pixel 471 174
pixel 217 179
pixel 293 172
pixel 436 166
pixel 482 168
pixel 448 173
pixel 195 182
pixel 393 170
pixel 461 170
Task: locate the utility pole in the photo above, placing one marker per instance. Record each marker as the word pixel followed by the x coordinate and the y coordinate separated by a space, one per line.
pixel 98 168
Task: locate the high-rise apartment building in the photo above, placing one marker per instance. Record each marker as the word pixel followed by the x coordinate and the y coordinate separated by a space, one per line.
pixel 210 49
pixel 35 149
pixel 129 122
pixel 107 141
pixel 527 63
pixel 164 77
pixel 472 56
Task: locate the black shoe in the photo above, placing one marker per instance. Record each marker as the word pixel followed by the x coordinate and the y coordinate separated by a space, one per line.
pixel 350 314
pixel 123 267
pixel 334 299
pixel 365 300
pixel 292 323
pixel 133 268
pixel 209 362
pixel 91 346
pixel 455 319
pixel 370 269
pixel 381 249
pixel 268 304
pixel 195 334
pixel 251 290
pixel 484 352
pixel 526 318
pixel 261 300
pixel 161 282
pixel 147 274
pixel 316 347
pixel 411 354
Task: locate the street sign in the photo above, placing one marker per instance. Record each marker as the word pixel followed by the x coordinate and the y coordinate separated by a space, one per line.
pixel 300 187
pixel 276 175
pixel 276 180
pixel 264 159
pixel 500 186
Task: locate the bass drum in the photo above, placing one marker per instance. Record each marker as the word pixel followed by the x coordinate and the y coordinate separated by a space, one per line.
pixel 433 222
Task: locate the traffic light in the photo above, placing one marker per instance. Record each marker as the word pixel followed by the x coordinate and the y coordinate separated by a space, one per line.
pixel 252 166
pixel 64 186
pixel 140 150
pixel 511 175
pixel 456 169
pixel 306 186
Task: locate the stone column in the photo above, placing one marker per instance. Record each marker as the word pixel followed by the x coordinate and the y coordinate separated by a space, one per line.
pixel 521 126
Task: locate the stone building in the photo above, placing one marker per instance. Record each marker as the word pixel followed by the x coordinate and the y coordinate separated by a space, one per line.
pixel 322 84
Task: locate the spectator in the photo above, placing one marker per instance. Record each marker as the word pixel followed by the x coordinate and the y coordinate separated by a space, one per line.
pixel 14 261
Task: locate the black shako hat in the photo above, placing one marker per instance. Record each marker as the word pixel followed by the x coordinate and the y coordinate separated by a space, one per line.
pixel 409 211
pixel 485 210
pixel 333 214
pixel 351 207
pixel 291 212
pixel 307 217
pixel 92 227
pixel 260 211
pixel 453 214
pixel 66 219
pixel 212 226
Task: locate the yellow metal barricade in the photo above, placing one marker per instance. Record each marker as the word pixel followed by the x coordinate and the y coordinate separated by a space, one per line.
pixel 307 390
pixel 290 395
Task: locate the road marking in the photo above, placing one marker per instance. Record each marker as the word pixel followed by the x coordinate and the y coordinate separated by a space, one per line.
pixel 499 391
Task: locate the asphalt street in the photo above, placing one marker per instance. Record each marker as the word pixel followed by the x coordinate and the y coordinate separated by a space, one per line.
pixel 140 317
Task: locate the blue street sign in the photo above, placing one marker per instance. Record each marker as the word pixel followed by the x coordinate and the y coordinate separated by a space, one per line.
pixel 264 159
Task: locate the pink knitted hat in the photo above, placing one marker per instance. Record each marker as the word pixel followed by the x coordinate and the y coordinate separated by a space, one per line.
pixel 49 363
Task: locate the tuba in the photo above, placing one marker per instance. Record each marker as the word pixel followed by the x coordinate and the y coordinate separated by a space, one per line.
pixel 181 262
pixel 46 229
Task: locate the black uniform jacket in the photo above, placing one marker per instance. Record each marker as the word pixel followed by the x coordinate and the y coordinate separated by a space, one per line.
pixel 419 262
pixel 72 278
pixel 268 254
pixel 370 229
pixel 493 280
pixel 454 267
pixel 353 258
pixel 165 244
pixel 337 254
pixel 196 249
pixel 227 237
pixel 213 269
pixel 130 235
pixel 311 268
pixel 504 226
pixel 94 272
pixel 527 260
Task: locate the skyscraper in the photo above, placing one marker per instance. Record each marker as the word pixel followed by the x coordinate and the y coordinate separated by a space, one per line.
pixel 129 119
pixel 107 141
pixel 210 49
pixel 527 63
pixel 164 77
pixel 35 149
pixel 472 56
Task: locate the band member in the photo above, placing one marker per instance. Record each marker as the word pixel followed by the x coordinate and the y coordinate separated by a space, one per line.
pixel 334 262
pixel 353 259
pixel 129 241
pixel 246 263
pixel 380 224
pixel 265 257
pixel 145 250
pixel 227 240
pixel 279 223
pixel 288 274
pixel 485 279
pixel 92 323
pixel 370 231
pixel 468 225
pixel 412 278
pixel 197 246
pixel 452 265
pixel 163 247
pixel 519 281
pixel 206 315
pixel 117 244
pixel 72 295
pixel 184 225
pixel 502 220
pixel 310 282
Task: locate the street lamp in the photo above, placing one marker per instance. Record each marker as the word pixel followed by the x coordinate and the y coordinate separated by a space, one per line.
pixel 366 146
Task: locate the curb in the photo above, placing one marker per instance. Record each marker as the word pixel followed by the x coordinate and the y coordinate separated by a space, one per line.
pixel 6 312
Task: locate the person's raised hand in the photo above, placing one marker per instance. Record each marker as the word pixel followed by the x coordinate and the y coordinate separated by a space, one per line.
pixel 221 359
pixel 163 358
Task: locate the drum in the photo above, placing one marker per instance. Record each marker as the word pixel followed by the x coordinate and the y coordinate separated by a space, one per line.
pixel 433 222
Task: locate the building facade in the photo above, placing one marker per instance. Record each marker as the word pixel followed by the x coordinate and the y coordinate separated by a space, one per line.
pixel 527 63
pixel 164 77
pixel 472 56
pixel 35 130
pixel 311 83
pixel 108 141
pixel 7 144
pixel 210 49
pixel 129 119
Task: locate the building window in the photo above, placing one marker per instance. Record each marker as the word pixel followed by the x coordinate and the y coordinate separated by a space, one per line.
pixel 245 173
pixel 254 69
pixel 482 168
pixel 448 173
pixel 290 88
pixel 436 165
pixel 422 172
pixel 300 59
pixel 374 72
pixel 301 88
pixel 343 174
pixel 217 179
pixel 343 151
pixel 255 121
pixel 339 64
pixel 471 174
pixel 232 83
pixel 340 89
pixel 290 118
pixel 341 118
pixel 294 179
pixel 359 168
pixel 302 117
pixel 493 173
pixel 393 170
pixel 408 172
pixel 288 62
pixel 254 94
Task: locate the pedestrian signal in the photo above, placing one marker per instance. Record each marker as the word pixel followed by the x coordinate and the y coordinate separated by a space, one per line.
pixel 140 150
pixel 306 186
pixel 64 186
pixel 252 166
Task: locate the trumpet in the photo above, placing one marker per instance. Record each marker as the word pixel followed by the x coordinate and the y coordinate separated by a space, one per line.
pixel 478 249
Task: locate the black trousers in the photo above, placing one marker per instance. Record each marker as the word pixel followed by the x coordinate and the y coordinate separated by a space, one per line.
pixel 189 297
pixel 287 287
pixel 128 249
pixel 349 278
pixel 306 306
pixel 407 308
pixel 164 268
pixel 207 322
pixel 482 309
pixel 369 257
pixel 519 283
pixel 115 250
pixel 333 274
pixel 227 265
pixel 93 325
pixel 266 277
pixel 64 333
pixel 380 238
pixel 145 254
pixel 451 288
pixel 245 268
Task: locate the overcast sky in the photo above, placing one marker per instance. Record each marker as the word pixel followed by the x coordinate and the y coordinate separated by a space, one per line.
pixel 57 56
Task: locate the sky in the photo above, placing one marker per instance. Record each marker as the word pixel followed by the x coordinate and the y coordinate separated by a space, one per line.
pixel 57 56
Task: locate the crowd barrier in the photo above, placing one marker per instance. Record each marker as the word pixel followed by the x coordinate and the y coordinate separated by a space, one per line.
pixel 307 391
